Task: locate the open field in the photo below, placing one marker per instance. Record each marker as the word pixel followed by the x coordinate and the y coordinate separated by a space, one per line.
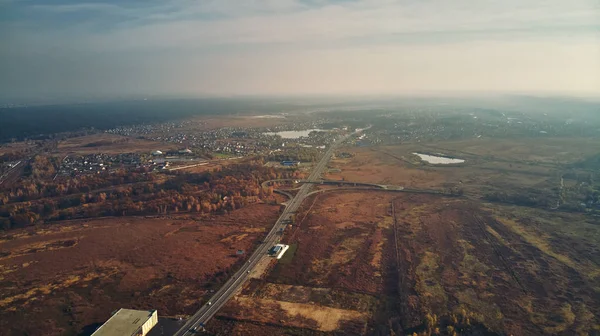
pixel 14 147
pixel 360 267
pixel 508 270
pixel 371 166
pixel 542 150
pixel 490 166
pixel 110 144
pixel 332 278
pixel 227 327
pixel 70 276
pixel 396 165
pixel 339 243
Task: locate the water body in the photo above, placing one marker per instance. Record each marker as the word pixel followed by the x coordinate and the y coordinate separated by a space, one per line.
pixel 294 134
pixel 438 159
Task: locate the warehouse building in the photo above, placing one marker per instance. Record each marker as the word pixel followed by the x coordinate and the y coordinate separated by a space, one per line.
pixel 128 322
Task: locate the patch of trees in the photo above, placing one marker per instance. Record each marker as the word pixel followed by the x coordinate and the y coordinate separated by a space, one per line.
pixel 592 163
pixel 41 167
pixel 33 189
pixel 461 323
pixel 302 154
pixel 101 143
pixel 214 192
pixel 12 156
pixel 40 121
pixel 532 198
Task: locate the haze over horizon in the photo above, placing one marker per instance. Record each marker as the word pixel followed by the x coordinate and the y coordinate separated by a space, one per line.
pixel 67 49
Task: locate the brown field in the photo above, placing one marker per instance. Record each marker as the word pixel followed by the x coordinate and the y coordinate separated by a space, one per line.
pixel 542 150
pixel 479 268
pixel 13 147
pixel 510 272
pixel 359 263
pixel 332 275
pixel 376 166
pixel 227 327
pixel 110 144
pixel 341 242
pixel 70 275
pixel 292 314
pixel 212 164
pixel 505 166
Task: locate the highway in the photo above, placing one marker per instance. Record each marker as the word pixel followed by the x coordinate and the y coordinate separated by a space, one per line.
pixel 13 173
pixel 218 300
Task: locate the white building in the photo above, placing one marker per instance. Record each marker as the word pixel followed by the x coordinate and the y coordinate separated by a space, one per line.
pixel 278 250
pixel 128 322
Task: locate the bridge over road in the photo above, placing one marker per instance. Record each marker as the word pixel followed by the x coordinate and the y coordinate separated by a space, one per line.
pixel 332 182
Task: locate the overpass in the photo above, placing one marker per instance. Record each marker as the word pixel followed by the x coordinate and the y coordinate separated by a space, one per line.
pixel 329 182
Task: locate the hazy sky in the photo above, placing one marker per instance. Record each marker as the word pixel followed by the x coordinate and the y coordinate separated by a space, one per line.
pixel 68 48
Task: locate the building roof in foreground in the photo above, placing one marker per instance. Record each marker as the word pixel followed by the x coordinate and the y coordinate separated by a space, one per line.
pixel 124 322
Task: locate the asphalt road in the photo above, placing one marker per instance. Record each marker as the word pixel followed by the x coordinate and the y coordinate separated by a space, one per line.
pixel 12 174
pixel 218 300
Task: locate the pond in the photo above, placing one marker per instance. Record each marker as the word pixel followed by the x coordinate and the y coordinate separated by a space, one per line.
pixel 294 134
pixel 438 159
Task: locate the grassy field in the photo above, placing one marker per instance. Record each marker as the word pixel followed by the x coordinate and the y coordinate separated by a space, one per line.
pixel 429 264
pixel 110 144
pixel 289 254
pixel 490 166
pixel 359 263
pixel 504 269
pixel 76 273
pixel 332 277
pixel 14 147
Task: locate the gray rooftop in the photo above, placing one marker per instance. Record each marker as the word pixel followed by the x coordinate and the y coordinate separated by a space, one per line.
pixel 124 322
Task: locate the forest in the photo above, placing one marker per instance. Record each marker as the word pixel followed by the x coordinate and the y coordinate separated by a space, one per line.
pixel 39 122
pixel 36 200
pixel 302 154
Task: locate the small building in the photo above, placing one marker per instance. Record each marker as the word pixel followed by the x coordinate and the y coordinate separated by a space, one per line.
pixel 278 250
pixel 290 163
pixel 128 322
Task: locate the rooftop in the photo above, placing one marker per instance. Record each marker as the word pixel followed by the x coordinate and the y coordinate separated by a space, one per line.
pixel 124 322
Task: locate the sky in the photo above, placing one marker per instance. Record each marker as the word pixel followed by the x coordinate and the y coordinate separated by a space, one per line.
pixel 73 48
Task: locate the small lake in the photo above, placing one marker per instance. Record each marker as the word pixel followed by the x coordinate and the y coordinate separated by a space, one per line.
pixel 295 134
pixel 438 159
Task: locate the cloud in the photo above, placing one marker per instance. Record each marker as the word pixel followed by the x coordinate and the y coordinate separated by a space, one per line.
pixel 194 23
pixel 254 45
pixel 76 7
pixel 185 23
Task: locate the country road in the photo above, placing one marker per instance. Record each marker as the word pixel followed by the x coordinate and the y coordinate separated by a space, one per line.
pixel 218 300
